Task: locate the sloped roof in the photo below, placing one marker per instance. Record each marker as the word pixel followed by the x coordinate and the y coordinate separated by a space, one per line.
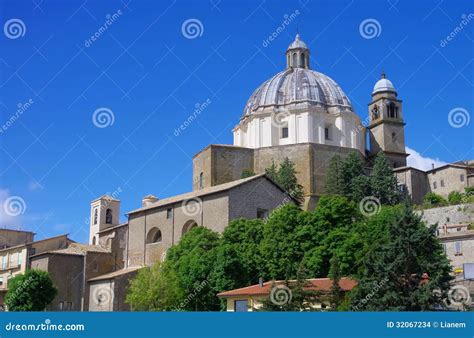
pixel 203 192
pixel 317 284
pixel 76 249
pixel 117 273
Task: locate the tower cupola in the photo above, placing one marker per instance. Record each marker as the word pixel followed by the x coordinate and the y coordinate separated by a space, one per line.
pixel 297 54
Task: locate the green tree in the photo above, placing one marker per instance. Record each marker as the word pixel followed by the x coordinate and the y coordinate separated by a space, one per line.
pixel 191 260
pixel 334 177
pixel 31 291
pixel 280 249
pixel 327 231
pixel 407 272
pixel 272 172
pixel 384 183
pixel 238 262
pixel 285 176
pixel 336 295
pixel 352 168
pixel 154 289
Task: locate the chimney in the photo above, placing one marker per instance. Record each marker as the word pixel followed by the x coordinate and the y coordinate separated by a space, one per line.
pixel 148 200
pixel 260 282
pixel 432 165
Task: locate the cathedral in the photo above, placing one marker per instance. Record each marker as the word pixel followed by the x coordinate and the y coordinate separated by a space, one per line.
pixel 304 115
pixel 299 113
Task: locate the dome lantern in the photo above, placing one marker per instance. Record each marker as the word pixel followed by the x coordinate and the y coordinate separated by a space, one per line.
pixel 383 85
pixel 297 54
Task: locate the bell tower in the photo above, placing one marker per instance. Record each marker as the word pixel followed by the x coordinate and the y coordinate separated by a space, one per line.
pixel 105 213
pixel 386 127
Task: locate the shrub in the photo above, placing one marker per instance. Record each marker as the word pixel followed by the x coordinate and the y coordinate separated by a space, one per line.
pixel 455 197
pixel 432 199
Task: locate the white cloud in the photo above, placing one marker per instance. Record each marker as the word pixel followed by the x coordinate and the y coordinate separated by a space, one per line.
pixel 416 160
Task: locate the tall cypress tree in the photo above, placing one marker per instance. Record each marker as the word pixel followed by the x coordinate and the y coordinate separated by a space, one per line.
pixel 384 183
pixel 334 178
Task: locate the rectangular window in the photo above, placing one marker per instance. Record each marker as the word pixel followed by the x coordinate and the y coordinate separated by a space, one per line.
pixel 326 133
pixel 169 213
pixel 241 305
pixel 435 185
pixel 262 213
pixel 442 183
pixel 458 248
pixel 284 132
pixel 461 178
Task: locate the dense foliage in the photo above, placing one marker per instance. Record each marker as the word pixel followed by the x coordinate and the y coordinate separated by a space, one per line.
pixel 31 291
pixel 285 176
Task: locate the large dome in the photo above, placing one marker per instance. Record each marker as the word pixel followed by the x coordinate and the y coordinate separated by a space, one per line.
pixel 298 85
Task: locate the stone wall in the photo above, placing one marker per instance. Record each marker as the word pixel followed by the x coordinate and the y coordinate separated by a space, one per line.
pixel 245 200
pixel 66 272
pixel 116 241
pixel 454 214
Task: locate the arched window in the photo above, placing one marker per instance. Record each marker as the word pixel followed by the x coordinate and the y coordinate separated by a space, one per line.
pixel 188 226
pixel 108 216
pixel 392 110
pixel 303 61
pixel 96 215
pixel 154 236
pixel 93 241
pixel 375 113
pixel 295 60
pixel 201 180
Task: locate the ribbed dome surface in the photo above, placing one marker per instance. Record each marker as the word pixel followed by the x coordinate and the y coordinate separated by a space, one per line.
pixel 297 85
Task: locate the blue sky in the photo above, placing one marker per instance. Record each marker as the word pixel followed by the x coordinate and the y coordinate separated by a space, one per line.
pixel 150 76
